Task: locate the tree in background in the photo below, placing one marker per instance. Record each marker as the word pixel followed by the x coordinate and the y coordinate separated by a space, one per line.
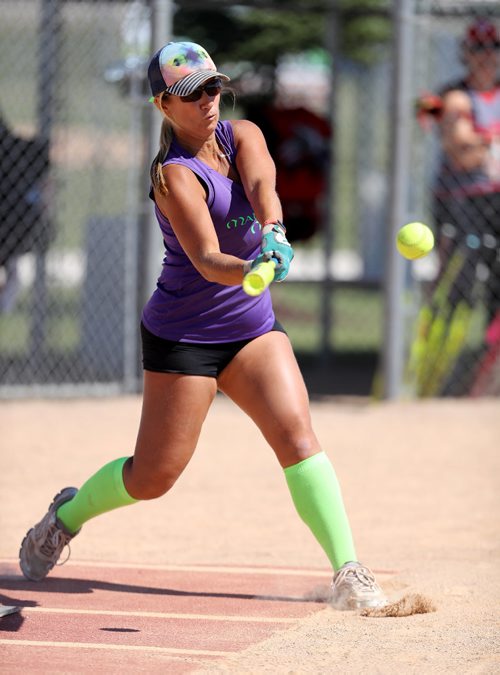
pixel 263 35
pixel 249 43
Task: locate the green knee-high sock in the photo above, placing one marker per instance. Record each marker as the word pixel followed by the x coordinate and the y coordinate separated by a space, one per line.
pixel 104 491
pixel 317 497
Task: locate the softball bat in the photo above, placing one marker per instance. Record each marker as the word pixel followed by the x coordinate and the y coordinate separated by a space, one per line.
pixel 257 280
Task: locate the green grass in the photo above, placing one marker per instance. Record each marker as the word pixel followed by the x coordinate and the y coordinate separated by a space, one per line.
pixel 62 324
pixel 83 194
pixel 14 334
pixel 63 334
pixel 356 317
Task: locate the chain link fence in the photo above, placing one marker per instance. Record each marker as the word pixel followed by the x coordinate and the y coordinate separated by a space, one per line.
pixel 75 146
pixel 75 149
pixel 72 153
pixel 455 338
pixel 335 288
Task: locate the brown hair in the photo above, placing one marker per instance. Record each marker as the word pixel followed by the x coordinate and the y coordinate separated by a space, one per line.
pixel 156 172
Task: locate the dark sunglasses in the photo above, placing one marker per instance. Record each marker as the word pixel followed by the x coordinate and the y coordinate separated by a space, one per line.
pixel 476 49
pixel 212 88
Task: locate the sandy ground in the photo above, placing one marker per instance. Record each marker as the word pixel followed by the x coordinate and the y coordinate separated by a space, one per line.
pixel 421 481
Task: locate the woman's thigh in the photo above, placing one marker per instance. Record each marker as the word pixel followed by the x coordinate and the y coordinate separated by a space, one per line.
pixel 173 411
pixel 265 381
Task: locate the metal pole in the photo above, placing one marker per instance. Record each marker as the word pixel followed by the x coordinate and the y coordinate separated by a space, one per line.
pixel 49 46
pixel 132 221
pixel 152 246
pixel 394 347
pixel 49 54
pixel 329 219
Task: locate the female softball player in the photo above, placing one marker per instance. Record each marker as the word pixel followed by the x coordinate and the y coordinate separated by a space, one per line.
pixel 213 188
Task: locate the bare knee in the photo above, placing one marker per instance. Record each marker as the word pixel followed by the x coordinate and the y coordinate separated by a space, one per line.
pixel 154 487
pixel 146 483
pixel 297 445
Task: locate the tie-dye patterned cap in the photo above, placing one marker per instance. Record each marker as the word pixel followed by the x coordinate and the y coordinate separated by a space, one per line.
pixel 181 67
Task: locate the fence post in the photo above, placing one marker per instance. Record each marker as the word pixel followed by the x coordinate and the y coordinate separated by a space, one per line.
pixel 150 249
pixel 332 36
pixel 49 45
pixel 394 347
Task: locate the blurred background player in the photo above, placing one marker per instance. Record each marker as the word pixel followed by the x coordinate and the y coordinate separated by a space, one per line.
pixel 466 193
pixel 467 187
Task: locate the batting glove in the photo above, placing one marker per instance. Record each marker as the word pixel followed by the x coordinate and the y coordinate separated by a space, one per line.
pixel 276 247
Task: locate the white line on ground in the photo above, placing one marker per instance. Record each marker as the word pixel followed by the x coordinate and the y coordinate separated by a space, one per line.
pixel 99 645
pixel 216 569
pixel 161 615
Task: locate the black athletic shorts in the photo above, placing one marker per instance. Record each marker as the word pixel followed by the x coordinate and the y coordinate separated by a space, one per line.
pixel 190 358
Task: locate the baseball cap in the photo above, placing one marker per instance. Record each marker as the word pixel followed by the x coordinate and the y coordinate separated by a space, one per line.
pixel 482 34
pixel 179 68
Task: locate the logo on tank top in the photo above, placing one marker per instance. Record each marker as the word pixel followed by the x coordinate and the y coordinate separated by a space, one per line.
pixel 244 221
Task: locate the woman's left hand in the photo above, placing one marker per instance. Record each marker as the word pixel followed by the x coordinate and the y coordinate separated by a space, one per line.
pixel 275 246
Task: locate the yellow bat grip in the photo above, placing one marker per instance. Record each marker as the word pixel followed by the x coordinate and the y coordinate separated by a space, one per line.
pixel 258 279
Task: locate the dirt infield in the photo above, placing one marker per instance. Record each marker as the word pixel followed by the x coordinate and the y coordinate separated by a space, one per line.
pixel 421 481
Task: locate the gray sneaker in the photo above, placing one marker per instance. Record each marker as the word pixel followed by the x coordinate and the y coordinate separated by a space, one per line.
pixel 44 543
pixel 354 587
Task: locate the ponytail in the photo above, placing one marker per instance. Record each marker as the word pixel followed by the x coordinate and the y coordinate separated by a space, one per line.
pixel 156 173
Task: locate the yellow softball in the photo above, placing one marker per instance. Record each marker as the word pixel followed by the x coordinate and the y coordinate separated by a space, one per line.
pixel 415 240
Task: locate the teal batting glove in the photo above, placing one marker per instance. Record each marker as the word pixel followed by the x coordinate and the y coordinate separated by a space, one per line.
pixel 275 246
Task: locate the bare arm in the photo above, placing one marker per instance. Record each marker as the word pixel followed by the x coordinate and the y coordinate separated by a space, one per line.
pixel 186 209
pixel 257 171
pixel 464 146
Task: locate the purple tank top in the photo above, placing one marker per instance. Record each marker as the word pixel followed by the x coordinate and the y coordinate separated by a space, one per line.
pixel 186 307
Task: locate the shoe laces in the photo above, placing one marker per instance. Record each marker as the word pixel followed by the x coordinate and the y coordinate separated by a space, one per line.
pixel 54 543
pixel 358 575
